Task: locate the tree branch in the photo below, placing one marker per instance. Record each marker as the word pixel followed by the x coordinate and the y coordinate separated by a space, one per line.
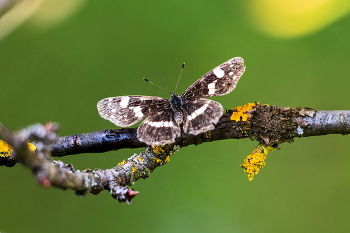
pixel 269 125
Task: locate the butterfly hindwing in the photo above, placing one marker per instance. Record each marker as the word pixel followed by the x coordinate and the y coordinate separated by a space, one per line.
pixel 219 81
pixel 159 129
pixel 201 116
pixel 125 111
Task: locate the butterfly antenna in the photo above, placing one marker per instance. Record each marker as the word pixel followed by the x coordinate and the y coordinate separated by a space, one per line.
pixel 156 85
pixel 182 68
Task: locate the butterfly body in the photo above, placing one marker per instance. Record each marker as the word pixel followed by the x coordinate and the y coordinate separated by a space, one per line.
pixel 176 106
pixel 167 119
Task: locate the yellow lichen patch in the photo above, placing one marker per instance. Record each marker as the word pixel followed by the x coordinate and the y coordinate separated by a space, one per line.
pixel 140 159
pixel 122 162
pixel 133 169
pixel 158 150
pixel 256 160
pixel 157 160
pixel 207 134
pixel 240 112
pixel 167 159
pixel 5 149
pixel 31 146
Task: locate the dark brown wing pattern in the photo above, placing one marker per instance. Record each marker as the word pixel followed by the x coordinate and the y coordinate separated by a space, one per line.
pixel 125 111
pixel 219 81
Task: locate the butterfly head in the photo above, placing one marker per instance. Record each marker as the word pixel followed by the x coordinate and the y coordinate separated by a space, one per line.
pixel 176 101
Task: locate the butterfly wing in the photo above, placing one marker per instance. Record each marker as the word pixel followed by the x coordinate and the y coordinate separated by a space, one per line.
pixel 201 116
pixel 125 111
pixel 219 81
pixel 159 129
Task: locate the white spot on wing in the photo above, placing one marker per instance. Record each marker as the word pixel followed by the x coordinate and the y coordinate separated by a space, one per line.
pixel 198 112
pixel 124 102
pixel 231 73
pixel 219 72
pixel 138 112
pixel 160 123
pixel 113 110
pixel 168 124
pixel 211 88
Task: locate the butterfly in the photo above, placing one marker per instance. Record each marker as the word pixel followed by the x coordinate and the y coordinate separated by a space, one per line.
pixel 167 119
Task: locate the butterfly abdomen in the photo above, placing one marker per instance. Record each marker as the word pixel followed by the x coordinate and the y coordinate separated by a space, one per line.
pixel 176 106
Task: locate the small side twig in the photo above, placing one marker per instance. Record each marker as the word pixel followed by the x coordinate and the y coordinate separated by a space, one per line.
pixel 61 175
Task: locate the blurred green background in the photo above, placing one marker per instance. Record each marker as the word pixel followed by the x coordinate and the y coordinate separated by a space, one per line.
pixel 58 70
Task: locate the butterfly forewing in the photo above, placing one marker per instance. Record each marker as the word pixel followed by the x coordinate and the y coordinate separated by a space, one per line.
pixel 125 111
pixel 219 81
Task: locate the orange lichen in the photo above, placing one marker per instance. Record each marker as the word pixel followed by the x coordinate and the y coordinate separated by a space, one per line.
pixel 240 112
pixel 158 150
